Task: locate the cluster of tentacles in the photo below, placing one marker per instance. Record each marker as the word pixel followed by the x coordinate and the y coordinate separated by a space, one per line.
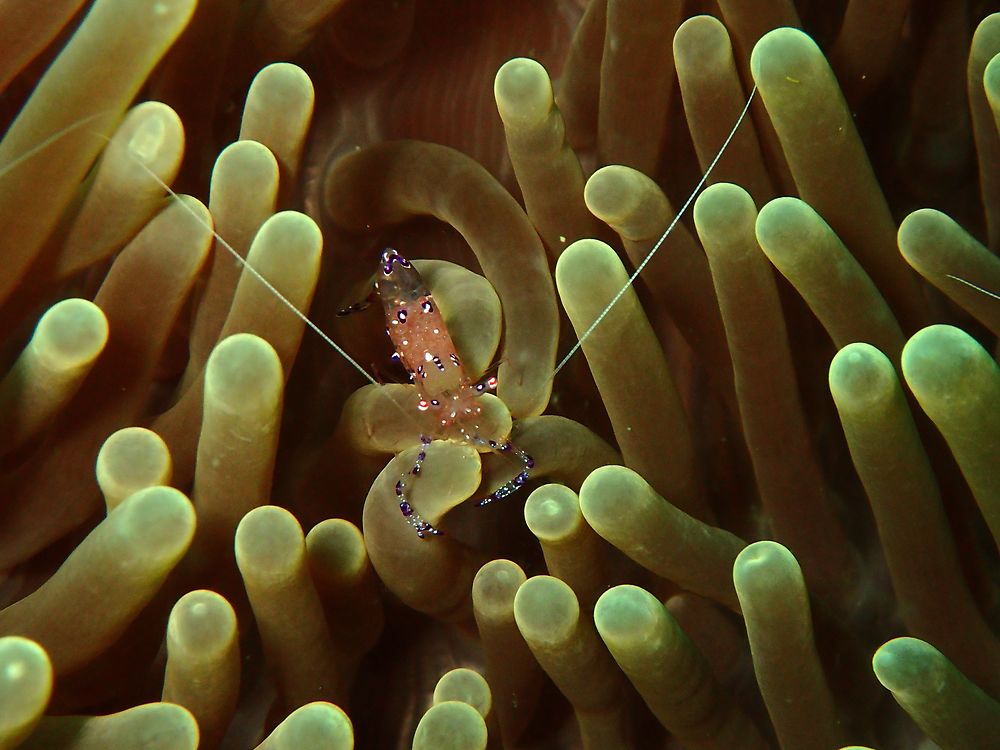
pixel 764 503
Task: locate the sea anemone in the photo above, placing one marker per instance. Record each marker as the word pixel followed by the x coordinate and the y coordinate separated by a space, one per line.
pixel 764 502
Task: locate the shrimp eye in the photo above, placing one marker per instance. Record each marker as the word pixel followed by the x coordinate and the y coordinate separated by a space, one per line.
pixel 422 405
pixel 401 315
pixel 426 306
pixel 390 256
pixel 435 402
pixel 480 387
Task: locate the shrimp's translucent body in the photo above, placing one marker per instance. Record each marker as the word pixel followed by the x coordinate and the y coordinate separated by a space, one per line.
pixel 425 348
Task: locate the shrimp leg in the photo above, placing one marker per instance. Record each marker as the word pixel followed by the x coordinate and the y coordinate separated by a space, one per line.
pixel 518 481
pixel 422 527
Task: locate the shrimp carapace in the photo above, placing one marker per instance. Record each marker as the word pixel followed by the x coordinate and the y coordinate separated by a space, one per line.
pixel 417 330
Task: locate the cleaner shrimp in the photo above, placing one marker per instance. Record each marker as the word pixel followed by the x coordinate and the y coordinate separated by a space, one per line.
pixel 425 348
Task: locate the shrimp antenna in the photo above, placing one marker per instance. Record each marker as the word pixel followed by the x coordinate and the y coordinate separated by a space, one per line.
pixel 260 277
pixel 197 217
pixel 666 233
pixel 56 136
pixel 978 288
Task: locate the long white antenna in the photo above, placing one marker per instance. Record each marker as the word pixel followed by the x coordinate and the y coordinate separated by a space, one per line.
pixel 340 350
pixel 197 217
pixel 257 275
pixel 978 288
pixel 58 135
pixel 656 245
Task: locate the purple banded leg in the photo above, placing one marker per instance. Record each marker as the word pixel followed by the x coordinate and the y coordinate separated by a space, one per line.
pixel 518 481
pixel 422 527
